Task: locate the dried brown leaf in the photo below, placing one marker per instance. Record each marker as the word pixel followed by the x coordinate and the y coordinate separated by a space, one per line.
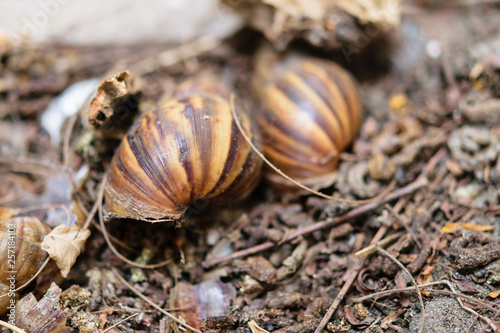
pixel 116 102
pixel 494 294
pixel 376 11
pixel 44 316
pixel 64 244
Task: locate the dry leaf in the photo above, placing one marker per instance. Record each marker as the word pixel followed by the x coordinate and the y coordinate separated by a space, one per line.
pixel 115 104
pixel 494 294
pixel 467 226
pixel 7 212
pixel 64 244
pixel 313 9
pixel 383 12
pixel 392 317
pixel 320 22
pixel 425 277
pixel 256 328
pixel 44 316
pixel 375 11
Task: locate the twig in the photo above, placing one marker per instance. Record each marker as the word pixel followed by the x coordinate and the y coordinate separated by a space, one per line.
pixel 373 248
pixel 399 290
pixel 340 296
pixel 423 254
pixel 108 241
pixel 150 302
pixel 444 292
pixel 349 281
pixel 47 206
pixel 328 223
pixel 457 296
pixel 11 327
pixel 404 224
pixel 176 55
pixel 98 227
pixel 420 298
pixel 90 215
pixel 121 321
pixel 67 137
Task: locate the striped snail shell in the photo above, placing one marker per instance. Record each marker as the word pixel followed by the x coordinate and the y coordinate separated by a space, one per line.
pixel 186 152
pixel 21 237
pixel 309 111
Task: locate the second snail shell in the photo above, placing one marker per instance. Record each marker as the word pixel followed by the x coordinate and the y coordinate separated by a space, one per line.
pixel 21 255
pixel 185 152
pixel 309 111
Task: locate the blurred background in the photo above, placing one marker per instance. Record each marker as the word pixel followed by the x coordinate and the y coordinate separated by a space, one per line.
pixel 115 22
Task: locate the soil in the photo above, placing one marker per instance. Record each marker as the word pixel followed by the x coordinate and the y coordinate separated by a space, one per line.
pixel 430 138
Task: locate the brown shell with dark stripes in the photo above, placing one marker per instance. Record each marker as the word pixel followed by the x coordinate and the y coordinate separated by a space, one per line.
pixel 310 110
pixel 187 152
pixel 29 256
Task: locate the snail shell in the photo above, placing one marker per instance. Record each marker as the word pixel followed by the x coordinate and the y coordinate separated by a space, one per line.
pixel 309 111
pixel 28 233
pixel 186 152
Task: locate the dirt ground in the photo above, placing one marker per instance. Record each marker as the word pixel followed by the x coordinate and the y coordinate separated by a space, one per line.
pixel 281 262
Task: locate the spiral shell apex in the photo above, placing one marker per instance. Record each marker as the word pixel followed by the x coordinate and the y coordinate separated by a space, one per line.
pixel 309 111
pixel 187 152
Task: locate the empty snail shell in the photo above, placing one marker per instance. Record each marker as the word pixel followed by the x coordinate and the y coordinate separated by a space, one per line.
pixel 309 111
pixel 187 151
pixel 20 253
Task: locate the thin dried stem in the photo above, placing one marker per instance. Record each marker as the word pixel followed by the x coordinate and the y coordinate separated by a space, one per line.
pixel 108 241
pixel 120 322
pixel 150 302
pixel 67 137
pixel 293 181
pixel 373 248
pixel 349 282
pixel 90 215
pixel 54 206
pixel 11 327
pixel 328 223
pixel 30 280
pixel 176 55
pixel 421 300
pixel 443 292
